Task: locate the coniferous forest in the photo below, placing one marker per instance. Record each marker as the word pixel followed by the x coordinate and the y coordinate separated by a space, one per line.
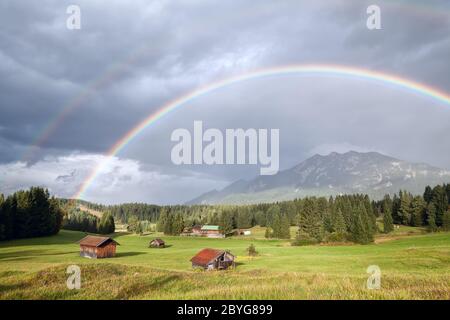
pixel 318 219
pixel 79 220
pixel 27 214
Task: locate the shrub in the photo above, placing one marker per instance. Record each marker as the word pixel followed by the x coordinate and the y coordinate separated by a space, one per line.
pixel 251 251
pixel 303 239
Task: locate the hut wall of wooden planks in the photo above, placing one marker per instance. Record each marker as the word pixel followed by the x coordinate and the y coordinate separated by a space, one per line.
pixel 212 259
pixel 97 247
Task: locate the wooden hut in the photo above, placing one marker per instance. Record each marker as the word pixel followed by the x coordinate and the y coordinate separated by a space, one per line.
pixel 157 243
pixel 212 259
pixel 212 232
pixel 97 247
pixel 196 230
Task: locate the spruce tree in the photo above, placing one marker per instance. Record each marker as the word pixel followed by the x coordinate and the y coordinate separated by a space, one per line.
pixel 395 209
pixel 440 202
pixel 310 222
pixel 418 207
pixel 226 222
pixel 338 222
pixel 168 225
pixel 285 232
pixel 178 226
pixel 106 224
pixel 388 225
pixel 276 224
pixel 268 233
pixel 404 212
pixel 160 225
pixel 428 194
pixel 431 217
pixel 446 221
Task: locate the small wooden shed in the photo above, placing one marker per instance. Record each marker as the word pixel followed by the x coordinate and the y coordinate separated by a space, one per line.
pixel 157 243
pixel 212 259
pixel 97 247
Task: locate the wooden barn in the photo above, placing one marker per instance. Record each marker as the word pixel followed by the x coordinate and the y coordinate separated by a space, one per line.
pixel 97 247
pixel 157 243
pixel 212 259
pixel 211 232
pixel 196 230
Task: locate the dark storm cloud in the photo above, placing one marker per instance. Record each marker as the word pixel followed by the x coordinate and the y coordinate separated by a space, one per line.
pixel 130 58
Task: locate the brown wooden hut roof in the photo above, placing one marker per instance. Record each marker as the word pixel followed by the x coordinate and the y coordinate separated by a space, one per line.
pixel 95 241
pixel 205 256
pixel 158 241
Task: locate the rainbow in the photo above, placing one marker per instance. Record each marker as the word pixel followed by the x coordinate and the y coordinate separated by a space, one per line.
pixel 115 70
pixel 112 73
pixel 308 69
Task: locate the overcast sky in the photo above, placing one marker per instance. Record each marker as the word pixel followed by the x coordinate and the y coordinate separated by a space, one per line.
pixel 129 58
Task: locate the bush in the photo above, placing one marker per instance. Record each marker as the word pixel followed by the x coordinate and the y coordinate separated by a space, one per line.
pixel 303 239
pixel 335 237
pixel 251 251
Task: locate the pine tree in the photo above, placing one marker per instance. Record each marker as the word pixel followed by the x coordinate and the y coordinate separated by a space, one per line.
pixel 285 232
pixel 338 222
pixel 160 225
pixel 178 226
pixel 310 223
pixel 4 218
pixel 268 233
pixel 428 194
pixel 387 220
pixel 395 209
pixel 276 224
pixel 446 221
pixel 168 226
pixel 405 208
pixel 358 230
pixel 106 224
pixel 418 206
pixel 440 202
pixel 226 222
pixel 447 190
pixel 431 217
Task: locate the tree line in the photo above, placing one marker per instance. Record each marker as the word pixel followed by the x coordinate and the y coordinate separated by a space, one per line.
pixel 79 220
pixel 316 219
pixel 31 213
pixel 430 210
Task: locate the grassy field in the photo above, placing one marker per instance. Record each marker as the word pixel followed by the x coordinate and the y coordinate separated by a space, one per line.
pixel 413 266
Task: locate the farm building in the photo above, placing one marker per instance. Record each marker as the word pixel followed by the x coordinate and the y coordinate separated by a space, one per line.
pixel 203 231
pixel 212 259
pixel 196 230
pixel 157 243
pixel 242 232
pixel 97 247
pixel 211 232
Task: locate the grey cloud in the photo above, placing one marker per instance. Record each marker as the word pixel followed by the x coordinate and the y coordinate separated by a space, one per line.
pixel 130 58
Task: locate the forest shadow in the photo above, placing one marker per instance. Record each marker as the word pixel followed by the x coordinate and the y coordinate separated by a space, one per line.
pixel 162 248
pixel 28 254
pixel 128 254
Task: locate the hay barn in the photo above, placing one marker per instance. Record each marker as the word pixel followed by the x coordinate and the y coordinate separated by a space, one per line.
pixel 97 247
pixel 212 259
pixel 157 243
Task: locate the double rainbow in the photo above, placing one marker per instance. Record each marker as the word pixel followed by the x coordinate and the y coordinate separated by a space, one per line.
pixel 309 69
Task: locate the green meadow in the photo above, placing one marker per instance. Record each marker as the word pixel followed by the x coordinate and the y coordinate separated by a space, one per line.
pixel 414 265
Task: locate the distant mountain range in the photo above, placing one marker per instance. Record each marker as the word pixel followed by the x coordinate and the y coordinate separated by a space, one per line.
pixel 370 173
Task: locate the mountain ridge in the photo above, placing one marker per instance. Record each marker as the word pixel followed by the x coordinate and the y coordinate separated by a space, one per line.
pixel 351 172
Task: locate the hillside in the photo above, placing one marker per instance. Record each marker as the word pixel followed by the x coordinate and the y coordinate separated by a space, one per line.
pixel 414 267
pixel 370 173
